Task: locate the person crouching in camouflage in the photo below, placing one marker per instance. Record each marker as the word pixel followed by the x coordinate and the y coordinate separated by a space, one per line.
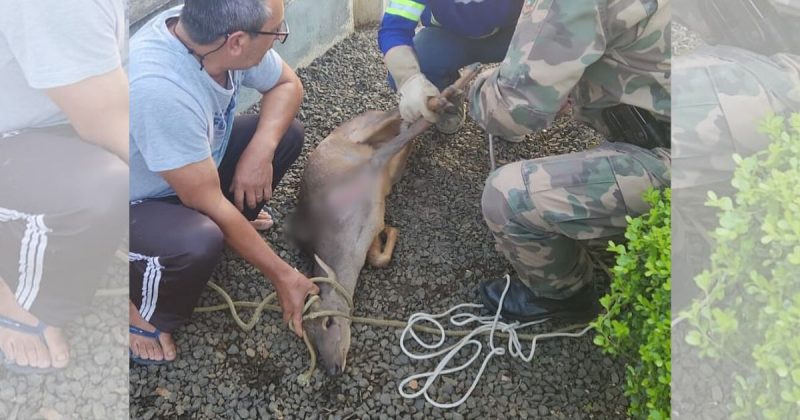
pixel 612 57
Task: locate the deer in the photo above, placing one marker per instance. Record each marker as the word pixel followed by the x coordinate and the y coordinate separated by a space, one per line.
pixel 340 212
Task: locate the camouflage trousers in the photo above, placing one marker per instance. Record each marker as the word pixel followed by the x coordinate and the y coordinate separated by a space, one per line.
pixel 542 212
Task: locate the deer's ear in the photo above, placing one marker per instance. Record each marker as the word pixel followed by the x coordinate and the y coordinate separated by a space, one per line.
pixel 325 267
pixel 384 129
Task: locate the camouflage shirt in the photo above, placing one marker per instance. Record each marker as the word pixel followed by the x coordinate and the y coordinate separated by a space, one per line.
pixel 599 52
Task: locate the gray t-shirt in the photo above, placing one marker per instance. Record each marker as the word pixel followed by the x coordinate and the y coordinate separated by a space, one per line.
pixel 52 43
pixel 179 114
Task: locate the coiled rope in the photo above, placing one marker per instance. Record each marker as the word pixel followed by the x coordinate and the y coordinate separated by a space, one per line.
pixel 486 324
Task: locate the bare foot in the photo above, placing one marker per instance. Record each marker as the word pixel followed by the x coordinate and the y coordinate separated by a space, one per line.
pixel 29 350
pixel 263 221
pixel 147 348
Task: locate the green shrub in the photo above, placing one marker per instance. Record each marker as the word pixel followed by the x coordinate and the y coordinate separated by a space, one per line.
pixel 636 325
pixel 749 316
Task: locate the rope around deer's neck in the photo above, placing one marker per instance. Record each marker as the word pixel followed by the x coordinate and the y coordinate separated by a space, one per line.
pixel 304 378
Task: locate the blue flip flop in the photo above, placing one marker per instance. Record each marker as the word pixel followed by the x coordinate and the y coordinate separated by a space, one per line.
pixel 147 334
pixel 37 331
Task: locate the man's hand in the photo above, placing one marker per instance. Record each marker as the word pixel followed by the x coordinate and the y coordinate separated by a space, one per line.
pixel 197 185
pixel 252 182
pixel 293 289
pixel 414 95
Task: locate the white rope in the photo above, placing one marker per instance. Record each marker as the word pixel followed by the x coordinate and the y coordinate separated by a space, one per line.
pixel 492 162
pixel 486 324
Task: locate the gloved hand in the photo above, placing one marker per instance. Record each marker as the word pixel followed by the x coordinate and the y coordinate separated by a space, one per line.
pixel 413 86
pixel 414 96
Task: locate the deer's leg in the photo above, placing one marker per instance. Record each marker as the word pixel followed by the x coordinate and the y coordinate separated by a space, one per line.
pixel 399 163
pixel 396 168
pixel 380 253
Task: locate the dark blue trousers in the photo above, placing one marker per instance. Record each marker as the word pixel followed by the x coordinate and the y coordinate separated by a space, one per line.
pixel 442 53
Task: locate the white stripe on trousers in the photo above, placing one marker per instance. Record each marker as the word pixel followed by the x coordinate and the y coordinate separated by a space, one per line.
pixel 150 282
pixel 31 255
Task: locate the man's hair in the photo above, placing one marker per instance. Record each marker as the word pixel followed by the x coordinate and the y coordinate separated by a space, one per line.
pixel 207 20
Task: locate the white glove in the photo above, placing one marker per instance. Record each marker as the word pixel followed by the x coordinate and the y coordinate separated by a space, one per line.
pixel 413 86
pixel 414 96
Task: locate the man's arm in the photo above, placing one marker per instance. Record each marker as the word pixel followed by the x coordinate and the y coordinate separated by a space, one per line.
pixel 399 21
pixel 198 187
pixel 283 102
pixel 396 41
pixel 279 107
pixel 548 54
pixel 80 69
pixel 97 107
pixel 280 104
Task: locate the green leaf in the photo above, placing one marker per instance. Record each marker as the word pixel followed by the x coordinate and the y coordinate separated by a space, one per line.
pixel 703 281
pixel 636 325
pixel 599 340
pixel 693 338
pixel 796 376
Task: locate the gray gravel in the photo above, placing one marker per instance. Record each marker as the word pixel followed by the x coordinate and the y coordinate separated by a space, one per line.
pixel 95 384
pixel 443 252
pixel 701 386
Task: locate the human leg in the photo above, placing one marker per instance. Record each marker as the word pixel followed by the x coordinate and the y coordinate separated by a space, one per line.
pixel 542 211
pixel 173 252
pixel 59 229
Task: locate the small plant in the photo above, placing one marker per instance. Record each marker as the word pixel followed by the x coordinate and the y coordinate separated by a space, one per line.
pixel 749 315
pixel 636 325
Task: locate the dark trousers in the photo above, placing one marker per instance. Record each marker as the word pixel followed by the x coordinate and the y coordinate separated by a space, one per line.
pixel 442 53
pixel 63 213
pixel 174 249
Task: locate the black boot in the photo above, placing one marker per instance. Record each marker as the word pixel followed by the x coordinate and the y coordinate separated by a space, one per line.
pixel 521 304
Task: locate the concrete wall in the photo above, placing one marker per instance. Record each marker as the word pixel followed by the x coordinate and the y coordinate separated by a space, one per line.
pixel 140 11
pixel 368 12
pixel 314 25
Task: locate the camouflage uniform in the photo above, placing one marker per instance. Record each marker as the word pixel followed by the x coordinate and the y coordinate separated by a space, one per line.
pixel 721 96
pixel 601 53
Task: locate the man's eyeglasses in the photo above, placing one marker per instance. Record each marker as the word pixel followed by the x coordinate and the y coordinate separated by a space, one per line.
pixel 281 35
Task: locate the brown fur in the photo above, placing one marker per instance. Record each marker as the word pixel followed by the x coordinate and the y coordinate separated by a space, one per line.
pixel 341 209
pixel 341 206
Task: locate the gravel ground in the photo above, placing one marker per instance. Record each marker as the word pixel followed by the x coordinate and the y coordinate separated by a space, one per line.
pixel 95 384
pixel 443 252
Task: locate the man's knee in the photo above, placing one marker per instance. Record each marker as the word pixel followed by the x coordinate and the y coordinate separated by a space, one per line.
pixel 503 196
pixel 103 192
pixel 494 207
pixel 202 243
pixel 440 55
